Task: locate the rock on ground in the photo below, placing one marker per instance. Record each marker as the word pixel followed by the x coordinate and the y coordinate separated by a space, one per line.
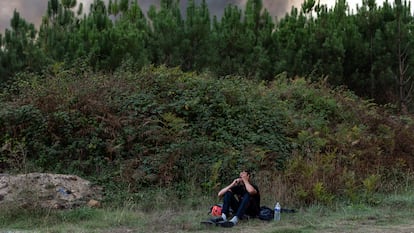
pixel 46 190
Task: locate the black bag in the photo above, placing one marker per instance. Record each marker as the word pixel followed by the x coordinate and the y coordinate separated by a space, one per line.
pixel 266 213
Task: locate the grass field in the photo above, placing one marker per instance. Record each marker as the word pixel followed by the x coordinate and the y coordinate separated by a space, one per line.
pixel 394 213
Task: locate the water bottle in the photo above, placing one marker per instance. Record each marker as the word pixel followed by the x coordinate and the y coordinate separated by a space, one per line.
pixel 277 212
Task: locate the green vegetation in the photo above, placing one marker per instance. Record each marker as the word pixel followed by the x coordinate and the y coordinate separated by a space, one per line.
pixel 393 215
pixel 192 132
pixel 162 114
pixel 368 50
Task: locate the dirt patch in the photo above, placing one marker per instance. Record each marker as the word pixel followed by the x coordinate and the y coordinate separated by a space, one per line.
pixel 46 190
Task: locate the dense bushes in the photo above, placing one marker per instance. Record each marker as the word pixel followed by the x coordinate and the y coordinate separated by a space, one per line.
pixel 343 146
pixel 166 124
pixel 164 127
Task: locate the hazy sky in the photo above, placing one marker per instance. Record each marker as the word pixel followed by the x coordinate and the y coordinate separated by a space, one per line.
pixel 32 10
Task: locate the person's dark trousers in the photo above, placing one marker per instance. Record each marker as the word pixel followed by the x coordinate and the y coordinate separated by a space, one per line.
pixel 230 201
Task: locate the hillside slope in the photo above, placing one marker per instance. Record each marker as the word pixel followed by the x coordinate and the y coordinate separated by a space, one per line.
pixel 163 127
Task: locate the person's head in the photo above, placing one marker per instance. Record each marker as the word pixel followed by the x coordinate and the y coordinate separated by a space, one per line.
pixel 245 172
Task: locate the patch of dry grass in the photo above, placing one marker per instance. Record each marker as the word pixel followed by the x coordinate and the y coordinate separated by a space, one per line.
pixel 394 214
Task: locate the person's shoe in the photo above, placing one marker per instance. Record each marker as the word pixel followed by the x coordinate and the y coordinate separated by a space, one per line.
pixel 217 219
pixel 208 223
pixel 227 224
pixel 213 221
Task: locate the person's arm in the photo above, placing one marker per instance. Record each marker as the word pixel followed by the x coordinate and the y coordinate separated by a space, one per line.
pixel 249 187
pixel 227 188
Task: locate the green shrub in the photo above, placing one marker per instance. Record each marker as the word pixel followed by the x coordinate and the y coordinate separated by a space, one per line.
pixel 165 128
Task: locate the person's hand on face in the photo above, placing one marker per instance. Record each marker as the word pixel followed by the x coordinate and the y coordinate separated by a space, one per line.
pixel 244 176
pixel 237 181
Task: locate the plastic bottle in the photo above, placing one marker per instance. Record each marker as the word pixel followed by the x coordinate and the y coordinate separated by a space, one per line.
pixel 277 212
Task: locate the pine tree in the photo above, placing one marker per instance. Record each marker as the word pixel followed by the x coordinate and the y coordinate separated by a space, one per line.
pixel 290 44
pixel 130 37
pixel 197 48
pixel 167 34
pixel 329 34
pixel 403 73
pixel 369 21
pixel 232 45
pixel 18 49
pixel 57 31
pixel 258 35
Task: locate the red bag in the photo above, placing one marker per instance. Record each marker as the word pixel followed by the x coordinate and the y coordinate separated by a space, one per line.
pixel 216 210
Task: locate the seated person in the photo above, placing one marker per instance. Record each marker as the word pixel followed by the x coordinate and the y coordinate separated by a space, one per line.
pixel 242 196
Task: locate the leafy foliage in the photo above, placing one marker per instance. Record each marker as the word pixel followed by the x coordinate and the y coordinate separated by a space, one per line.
pixel 164 127
pixel 368 50
pixel 342 145
pixel 159 126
